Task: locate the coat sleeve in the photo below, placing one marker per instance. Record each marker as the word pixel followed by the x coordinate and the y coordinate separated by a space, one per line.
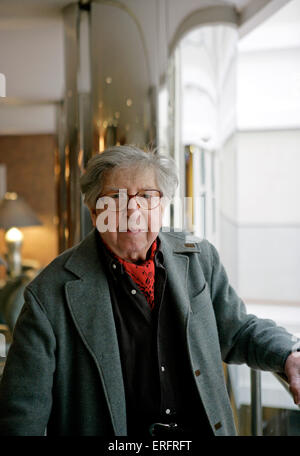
pixel 26 384
pixel 244 338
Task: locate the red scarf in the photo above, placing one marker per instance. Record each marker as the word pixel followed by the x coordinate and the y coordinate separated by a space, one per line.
pixel 143 274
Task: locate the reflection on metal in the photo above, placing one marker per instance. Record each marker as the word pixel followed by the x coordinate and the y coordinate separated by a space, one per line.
pixel 256 405
pixel 85 106
pixel 117 4
pixel 14 101
pixel 110 136
pixel 74 126
pixel 86 130
pixel 60 181
pixel 189 189
pixel 71 232
pixel 124 103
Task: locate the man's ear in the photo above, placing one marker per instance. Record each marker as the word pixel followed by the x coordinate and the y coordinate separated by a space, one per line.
pixel 93 216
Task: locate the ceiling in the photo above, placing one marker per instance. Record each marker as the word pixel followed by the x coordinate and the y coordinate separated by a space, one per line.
pixel 29 7
pixel 280 31
pixel 239 4
pixel 250 13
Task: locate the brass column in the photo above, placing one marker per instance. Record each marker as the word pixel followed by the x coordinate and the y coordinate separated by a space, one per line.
pixel 74 125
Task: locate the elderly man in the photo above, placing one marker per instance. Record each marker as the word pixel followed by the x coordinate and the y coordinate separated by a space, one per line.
pixel 125 333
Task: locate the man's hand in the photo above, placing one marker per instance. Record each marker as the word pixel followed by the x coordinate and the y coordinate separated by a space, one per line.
pixel 292 371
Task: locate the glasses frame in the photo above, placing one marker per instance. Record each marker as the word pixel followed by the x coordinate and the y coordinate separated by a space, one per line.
pixel 129 197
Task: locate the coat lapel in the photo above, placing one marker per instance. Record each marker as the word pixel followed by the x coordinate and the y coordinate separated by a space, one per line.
pixel 89 302
pixel 177 264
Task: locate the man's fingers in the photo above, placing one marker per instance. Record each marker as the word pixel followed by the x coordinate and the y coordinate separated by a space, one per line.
pixel 292 371
pixel 294 382
pixel 295 389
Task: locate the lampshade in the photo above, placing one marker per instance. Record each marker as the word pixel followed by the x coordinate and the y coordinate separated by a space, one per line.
pixel 14 211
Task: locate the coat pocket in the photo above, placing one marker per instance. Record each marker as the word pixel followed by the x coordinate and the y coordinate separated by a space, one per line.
pixel 201 300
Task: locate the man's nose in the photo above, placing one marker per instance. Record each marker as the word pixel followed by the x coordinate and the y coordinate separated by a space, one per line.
pixel 132 204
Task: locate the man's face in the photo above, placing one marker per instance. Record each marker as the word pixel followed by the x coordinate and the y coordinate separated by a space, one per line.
pixel 132 230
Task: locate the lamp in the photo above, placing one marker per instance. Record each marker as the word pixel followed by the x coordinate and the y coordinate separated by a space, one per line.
pixel 15 212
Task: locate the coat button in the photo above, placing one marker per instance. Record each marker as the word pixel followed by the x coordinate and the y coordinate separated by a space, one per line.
pixel 114 266
pixel 197 373
pixel 133 292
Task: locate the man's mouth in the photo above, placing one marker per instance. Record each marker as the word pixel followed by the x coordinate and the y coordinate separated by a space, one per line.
pixel 133 231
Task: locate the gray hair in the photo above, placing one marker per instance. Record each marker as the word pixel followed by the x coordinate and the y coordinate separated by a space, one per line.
pixel 125 157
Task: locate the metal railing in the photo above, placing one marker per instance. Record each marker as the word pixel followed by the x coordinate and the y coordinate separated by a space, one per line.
pixel 256 402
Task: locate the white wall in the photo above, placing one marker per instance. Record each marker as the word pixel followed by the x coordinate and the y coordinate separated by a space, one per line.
pixel 268 160
pixel 260 203
pixel 268 215
pixel 260 229
pixel 269 89
pixel 27 119
pixel 268 177
pixel 31 57
pixel 268 263
pixel 228 210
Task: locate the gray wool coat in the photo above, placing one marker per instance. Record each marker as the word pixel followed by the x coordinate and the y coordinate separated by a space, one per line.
pixel 63 370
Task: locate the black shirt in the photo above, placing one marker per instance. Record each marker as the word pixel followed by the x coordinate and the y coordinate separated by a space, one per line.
pixel 158 380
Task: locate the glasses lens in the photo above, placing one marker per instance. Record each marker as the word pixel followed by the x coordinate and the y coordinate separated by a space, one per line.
pixel 148 199
pixel 111 202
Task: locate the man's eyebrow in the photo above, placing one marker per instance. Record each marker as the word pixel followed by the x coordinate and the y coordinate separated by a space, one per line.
pixel 112 189
pixel 116 189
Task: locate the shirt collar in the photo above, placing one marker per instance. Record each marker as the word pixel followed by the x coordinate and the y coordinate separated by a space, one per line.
pixel 115 265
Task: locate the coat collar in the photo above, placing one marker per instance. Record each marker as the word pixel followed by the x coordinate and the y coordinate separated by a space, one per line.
pixel 85 257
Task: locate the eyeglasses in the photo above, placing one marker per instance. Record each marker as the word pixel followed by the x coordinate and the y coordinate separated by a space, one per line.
pixel 145 199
